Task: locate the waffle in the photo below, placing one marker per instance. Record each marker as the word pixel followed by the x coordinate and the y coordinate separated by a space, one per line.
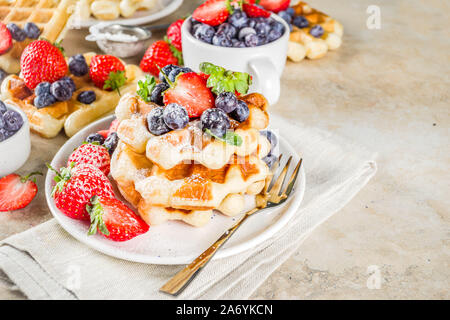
pixel 302 44
pixel 187 187
pixel 51 16
pixel 71 115
pixel 111 9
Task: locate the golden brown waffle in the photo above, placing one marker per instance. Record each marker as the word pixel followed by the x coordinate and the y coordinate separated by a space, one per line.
pixel 302 44
pixel 71 115
pixel 188 188
pixel 51 16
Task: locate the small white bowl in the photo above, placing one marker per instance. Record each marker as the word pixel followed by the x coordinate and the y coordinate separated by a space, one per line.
pixel 15 150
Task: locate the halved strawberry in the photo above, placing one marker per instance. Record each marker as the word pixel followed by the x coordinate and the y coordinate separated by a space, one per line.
pixel 254 11
pixel 16 192
pixel 5 39
pixel 93 154
pixel 212 12
pixel 191 92
pixel 275 5
pixel 174 33
pixel 159 55
pixel 114 219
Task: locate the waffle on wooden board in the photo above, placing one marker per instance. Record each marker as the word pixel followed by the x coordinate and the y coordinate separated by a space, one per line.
pixel 51 16
pixel 303 45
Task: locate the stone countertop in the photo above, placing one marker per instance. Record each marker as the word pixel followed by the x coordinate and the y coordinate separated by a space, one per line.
pixel 387 89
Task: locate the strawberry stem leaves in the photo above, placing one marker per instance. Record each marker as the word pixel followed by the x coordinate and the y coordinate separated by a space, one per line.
pixel 115 81
pixel 222 80
pixel 95 211
pixel 61 177
pixel 146 87
pixel 24 179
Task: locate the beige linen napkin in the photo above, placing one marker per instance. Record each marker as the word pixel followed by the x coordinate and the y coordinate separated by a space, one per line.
pixel 47 263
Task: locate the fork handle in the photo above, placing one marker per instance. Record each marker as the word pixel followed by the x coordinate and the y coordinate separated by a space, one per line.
pixel 177 284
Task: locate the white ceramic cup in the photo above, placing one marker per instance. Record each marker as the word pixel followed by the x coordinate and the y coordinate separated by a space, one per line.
pixel 265 63
pixel 15 150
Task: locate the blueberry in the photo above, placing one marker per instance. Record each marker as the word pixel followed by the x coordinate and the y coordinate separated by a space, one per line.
pixel 44 100
pixel 111 142
pixel 175 116
pixel 262 39
pixel 228 29
pixel 95 137
pixel 61 90
pixel 166 71
pixel 241 112
pixel 43 87
pixel 216 120
pixel 270 160
pixel 194 27
pixel 2 121
pixel 87 97
pixel 252 22
pixel 175 72
pixel 16 32
pixel 244 32
pixel 31 30
pixel 157 93
pixel 222 40
pixel 316 31
pixel 237 43
pixel 205 33
pixel 300 22
pixel 290 11
pixel 277 26
pixel 13 120
pixel 271 137
pixel 238 19
pixel 2 135
pixel 273 35
pixel 2 107
pixel 251 40
pixel 285 16
pixel 3 75
pixel 78 65
pixel 69 81
pixel 262 28
pixel 226 101
pixel 155 122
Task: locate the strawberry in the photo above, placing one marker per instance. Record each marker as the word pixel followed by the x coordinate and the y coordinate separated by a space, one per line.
pixel 104 133
pixel 93 154
pixel 174 34
pixel 190 91
pixel 203 76
pixel 107 72
pixel 113 126
pixel 41 61
pixel 75 186
pixel 114 219
pixel 5 39
pixel 159 54
pixel 16 192
pixel 254 11
pixel 275 5
pixel 212 12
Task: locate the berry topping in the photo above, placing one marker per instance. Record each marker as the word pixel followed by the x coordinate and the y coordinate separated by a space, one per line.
pixel 270 159
pixel 2 107
pixel 300 22
pixel 221 40
pixel 244 32
pixel 157 93
pixel 226 101
pixel 273 35
pixel 16 32
pixel 212 12
pixel 175 116
pixel 166 71
pixel 2 121
pixel 32 30
pixel 174 34
pixel 42 62
pixel 43 87
pixel 111 142
pixel 78 66
pixel 155 122
pixel 228 29
pixel 216 121
pixel 176 71
pixel 13 120
pixel 238 44
pixel 5 39
pixel 87 97
pixel 107 72
pixel 93 154
pixel 254 11
pixel 190 91
pixel 316 31
pixel 285 16
pixel 238 19
pixel 61 90
pixel 251 40
pixel 275 5
pixel 17 192
pixel 241 112
pixel 95 137
pixel 44 100
pixel 204 33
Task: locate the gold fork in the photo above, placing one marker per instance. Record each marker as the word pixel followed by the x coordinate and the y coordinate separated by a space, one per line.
pixel 269 197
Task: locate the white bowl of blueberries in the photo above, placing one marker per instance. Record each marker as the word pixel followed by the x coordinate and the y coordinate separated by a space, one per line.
pixel 15 144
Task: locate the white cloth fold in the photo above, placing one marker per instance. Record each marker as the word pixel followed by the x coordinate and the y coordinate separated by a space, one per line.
pixel 47 263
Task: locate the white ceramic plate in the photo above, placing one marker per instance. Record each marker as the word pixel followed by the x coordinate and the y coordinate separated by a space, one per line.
pixel 175 242
pixel 162 9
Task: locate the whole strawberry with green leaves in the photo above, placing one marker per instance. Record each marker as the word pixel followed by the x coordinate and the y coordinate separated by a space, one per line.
pixel 107 72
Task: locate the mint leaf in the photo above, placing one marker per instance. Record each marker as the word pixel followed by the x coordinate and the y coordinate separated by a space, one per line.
pixel 221 80
pixel 230 137
pixel 146 87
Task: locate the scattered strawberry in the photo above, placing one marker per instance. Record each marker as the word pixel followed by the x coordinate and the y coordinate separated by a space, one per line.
pixel 159 54
pixel 93 154
pixel 16 192
pixel 5 39
pixel 75 186
pixel 107 72
pixel 213 12
pixel 275 5
pixel 113 126
pixel 254 11
pixel 104 133
pixel 41 61
pixel 174 33
pixel 190 91
pixel 114 219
